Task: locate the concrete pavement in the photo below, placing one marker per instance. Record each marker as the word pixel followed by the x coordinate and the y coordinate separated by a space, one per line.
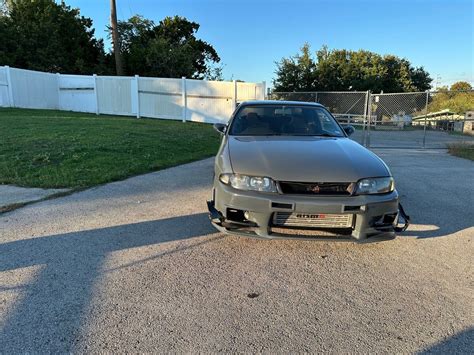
pixel 411 138
pixel 14 195
pixel 134 266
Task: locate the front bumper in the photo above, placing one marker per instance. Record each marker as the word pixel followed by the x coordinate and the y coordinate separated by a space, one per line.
pixel 374 216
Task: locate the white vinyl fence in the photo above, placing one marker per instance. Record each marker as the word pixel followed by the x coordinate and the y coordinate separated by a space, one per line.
pixel 176 99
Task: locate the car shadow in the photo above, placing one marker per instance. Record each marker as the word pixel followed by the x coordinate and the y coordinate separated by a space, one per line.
pixel 435 190
pixel 430 219
pixel 49 310
pixel 459 343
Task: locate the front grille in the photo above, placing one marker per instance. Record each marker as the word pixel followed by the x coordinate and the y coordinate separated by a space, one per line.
pixel 315 188
pixel 312 220
pixel 343 233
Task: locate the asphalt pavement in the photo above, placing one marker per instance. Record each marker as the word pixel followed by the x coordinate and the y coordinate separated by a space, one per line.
pixel 135 266
pixel 416 138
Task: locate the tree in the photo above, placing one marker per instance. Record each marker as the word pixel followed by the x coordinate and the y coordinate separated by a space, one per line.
pixel 296 73
pixel 169 49
pixel 214 72
pixel 461 86
pixel 334 70
pixel 43 35
pixel 5 6
pixel 457 100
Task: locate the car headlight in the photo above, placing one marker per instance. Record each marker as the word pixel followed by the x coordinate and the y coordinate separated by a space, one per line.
pixel 250 183
pixel 374 186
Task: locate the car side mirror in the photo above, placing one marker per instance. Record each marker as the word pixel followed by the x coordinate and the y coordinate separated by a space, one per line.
pixel 220 127
pixel 349 129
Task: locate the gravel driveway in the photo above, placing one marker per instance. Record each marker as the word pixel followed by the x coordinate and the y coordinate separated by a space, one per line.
pixel 135 266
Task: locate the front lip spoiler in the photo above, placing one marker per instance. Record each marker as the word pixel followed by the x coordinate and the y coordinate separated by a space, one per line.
pixel 224 226
pixel 382 237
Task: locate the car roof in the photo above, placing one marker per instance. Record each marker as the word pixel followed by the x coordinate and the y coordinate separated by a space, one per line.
pixel 279 102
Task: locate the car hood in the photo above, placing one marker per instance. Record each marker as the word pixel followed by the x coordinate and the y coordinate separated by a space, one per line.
pixel 304 159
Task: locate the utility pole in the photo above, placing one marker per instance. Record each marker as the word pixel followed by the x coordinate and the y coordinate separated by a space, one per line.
pixel 115 38
pixel 437 82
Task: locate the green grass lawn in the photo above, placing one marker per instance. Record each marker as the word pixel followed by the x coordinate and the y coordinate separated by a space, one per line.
pixel 465 151
pixel 45 148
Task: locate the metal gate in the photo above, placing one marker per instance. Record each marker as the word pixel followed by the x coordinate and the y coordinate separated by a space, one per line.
pixel 399 120
pixel 417 120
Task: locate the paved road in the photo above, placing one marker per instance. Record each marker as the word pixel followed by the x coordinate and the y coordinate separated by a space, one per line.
pixel 134 266
pixel 411 139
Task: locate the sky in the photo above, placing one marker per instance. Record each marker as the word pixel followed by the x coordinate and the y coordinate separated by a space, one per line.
pixel 250 36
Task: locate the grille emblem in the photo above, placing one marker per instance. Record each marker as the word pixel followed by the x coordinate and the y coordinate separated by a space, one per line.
pixel 314 188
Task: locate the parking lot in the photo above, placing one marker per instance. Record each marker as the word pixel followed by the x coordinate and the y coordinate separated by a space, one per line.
pixel 135 266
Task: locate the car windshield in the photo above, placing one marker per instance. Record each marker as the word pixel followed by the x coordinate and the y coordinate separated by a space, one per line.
pixel 284 120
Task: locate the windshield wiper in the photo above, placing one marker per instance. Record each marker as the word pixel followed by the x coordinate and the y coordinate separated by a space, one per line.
pixel 291 135
pixel 313 135
pixel 326 135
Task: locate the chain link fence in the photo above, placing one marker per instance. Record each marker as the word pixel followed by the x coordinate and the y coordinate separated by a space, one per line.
pixel 391 118
pixel 399 120
pixel 420 119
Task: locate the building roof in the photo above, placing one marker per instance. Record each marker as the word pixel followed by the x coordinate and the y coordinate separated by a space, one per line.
pixel 445 112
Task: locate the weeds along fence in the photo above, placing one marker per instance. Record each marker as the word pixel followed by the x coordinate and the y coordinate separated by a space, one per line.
pixel 176 99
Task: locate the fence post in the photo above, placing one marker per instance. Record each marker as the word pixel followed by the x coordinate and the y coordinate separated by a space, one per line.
pixel 96 94
pixel 58 77
pixel 184 96
pixel 364 123
pixel 369 119
pixel 426 115
pixel 234 95
pixel 316 97
pixel 135 95
pixel 9 86
pixel 463 135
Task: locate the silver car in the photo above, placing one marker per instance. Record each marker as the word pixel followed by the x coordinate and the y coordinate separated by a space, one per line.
pixel 288 170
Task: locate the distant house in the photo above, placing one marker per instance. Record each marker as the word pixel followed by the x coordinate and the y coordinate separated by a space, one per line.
pixel 467 126
pixel 443 120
